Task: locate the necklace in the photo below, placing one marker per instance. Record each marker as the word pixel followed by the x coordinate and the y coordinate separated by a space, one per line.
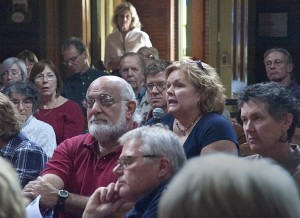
pixel 189 126
pixel 48 112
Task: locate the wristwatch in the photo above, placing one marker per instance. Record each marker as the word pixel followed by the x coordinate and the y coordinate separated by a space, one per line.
pixel 62 196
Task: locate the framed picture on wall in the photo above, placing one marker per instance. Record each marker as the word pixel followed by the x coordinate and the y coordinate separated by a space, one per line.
pixel 273 24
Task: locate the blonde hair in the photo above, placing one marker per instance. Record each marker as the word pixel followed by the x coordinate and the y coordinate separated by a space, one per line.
pixel 135 23
pixel 220 185
pixel 206 80
pixel 10 122
pixel 11 200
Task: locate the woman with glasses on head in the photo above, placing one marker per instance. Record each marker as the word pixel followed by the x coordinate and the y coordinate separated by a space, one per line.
pixel 195 98
pixel 12 70
pixel 26 99
pixel 64 115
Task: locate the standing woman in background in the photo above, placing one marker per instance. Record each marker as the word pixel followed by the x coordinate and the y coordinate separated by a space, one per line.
pixel 127 35
pixel 64 115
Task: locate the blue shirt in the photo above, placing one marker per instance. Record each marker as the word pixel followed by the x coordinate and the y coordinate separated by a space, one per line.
pixel 210 128
pixel 76 86
pixel 26 157
pixel 147 206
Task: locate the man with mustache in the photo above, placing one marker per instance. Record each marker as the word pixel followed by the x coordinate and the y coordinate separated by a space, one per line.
pixel 83 163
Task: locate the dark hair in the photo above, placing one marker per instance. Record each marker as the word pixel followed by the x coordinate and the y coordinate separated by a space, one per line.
pixel 141 60
pixel 156 67
pixel 278 100
pixel 39 67
pixel 25 88
pixel 27 54
pixel 78 43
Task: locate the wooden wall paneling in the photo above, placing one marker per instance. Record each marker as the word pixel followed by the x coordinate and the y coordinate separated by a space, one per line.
pixel 157 17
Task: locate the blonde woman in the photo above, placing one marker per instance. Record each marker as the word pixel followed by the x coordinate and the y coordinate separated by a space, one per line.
pixel 127 35
pixel 195 98
pixel 11 201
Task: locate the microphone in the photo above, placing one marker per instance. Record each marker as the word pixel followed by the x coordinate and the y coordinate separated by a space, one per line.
pixel 158 113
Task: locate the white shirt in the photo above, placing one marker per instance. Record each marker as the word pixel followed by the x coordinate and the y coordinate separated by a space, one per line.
pixel 40 133
pixel 115 47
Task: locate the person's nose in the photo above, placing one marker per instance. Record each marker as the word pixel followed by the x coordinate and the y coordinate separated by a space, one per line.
pixel 170 91
pixel 10 77
pixel 155 90
pixel 96 108
pixel 21 107
pixel 118 170
pixel 130 72
pixel 248 126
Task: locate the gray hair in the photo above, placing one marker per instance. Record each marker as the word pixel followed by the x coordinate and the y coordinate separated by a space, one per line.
pixel 7 63
pixel 25 88
pixel 140 58
pixel 127 93
pixel 286 54
pixel 158 140
pixel 220 185
pixel 278 100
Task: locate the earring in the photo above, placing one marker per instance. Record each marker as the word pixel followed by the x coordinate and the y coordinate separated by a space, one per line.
pixel 283 137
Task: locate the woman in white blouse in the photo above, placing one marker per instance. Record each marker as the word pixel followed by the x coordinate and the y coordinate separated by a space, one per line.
pixel 127 35
pixel 26 99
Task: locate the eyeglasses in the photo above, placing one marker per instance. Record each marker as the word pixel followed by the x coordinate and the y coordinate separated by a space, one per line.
pixel 126 161
pixel 25 103
pixel 104 100
pixel 14 73
pixel 276 62
pixel 41 77
pixel 70 60
pixel 160 86
pixel 148 56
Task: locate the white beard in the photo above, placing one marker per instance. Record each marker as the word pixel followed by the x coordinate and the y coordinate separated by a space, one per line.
pixel 104 132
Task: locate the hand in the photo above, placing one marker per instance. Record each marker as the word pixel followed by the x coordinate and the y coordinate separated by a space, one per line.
pixel 40 187
pixel 104 202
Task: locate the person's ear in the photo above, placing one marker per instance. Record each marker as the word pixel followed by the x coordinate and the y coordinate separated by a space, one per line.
pixel 164 167
pixel 131 107
pixel 85 54
pixel 287 121
pixel 290 67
